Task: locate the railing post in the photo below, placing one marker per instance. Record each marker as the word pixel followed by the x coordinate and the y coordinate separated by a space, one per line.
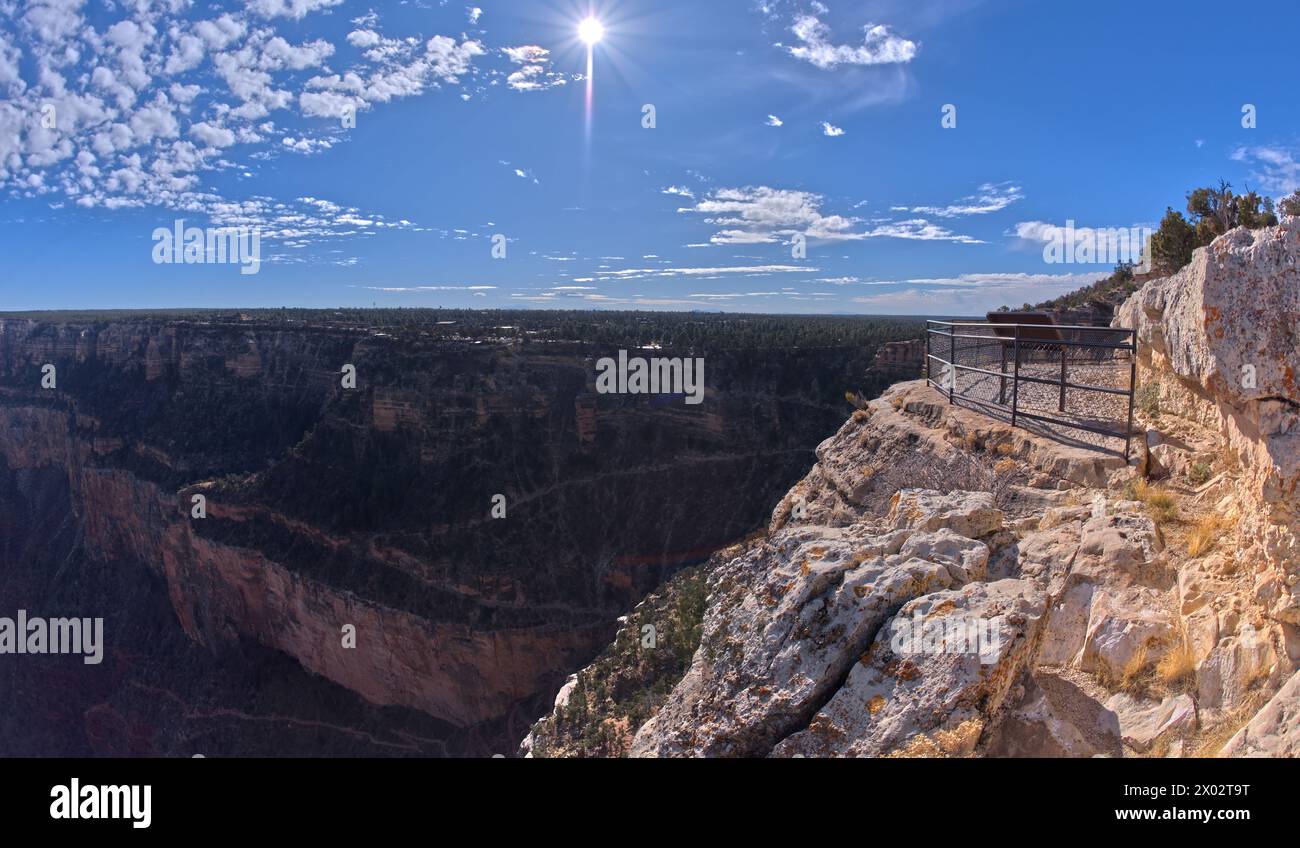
pixel 1063 348
pixel 929 375
pixel 1015 383
pixel 952 365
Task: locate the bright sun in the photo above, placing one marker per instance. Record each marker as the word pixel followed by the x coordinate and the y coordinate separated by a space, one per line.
pixel 591 30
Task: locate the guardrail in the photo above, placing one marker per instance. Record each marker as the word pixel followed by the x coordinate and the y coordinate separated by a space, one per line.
pixel 1008 366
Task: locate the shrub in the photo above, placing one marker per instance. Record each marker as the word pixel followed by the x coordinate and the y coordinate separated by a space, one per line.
pixel 1200 473
pixel 1291 205
pixel 1148 399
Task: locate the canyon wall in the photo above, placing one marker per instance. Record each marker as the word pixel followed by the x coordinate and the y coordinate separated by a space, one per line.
pixel 334 514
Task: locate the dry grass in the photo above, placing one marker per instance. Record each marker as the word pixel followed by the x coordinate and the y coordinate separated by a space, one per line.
pixel 1005 466
pixel 1162 505
pixel 1177 669
pixel 1132 678
pixel 1205 535
pixel 862 416
pixel 1213 740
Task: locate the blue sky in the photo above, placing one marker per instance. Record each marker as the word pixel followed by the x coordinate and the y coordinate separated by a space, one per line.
pixel 471 122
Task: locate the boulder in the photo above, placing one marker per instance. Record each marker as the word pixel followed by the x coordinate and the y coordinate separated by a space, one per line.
pixel 1274 731
pixel 1143 722
pixel 785 623
pixel 970 514
pixel 1054 718
pixel 933 681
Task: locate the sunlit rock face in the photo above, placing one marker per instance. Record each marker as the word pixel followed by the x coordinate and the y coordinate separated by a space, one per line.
pixel 1221 339
pixel 371 508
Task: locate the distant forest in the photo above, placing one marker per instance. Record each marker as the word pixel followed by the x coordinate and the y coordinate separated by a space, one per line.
pixel 674 331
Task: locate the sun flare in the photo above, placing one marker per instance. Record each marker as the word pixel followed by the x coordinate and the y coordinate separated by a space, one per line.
pixel 591 31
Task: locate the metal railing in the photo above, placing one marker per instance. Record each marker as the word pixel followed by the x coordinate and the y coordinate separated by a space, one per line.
pixel 1066 376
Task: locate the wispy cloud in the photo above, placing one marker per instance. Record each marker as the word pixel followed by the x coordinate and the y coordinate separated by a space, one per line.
pixel 745 270
pixel 989 198
pixel 1275 168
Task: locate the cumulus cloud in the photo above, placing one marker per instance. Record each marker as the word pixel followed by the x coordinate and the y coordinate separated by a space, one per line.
pixel 763 215
pixel 296 9
pixel 830 130
pixel 212 136
pixel 880 46
pixel 153 99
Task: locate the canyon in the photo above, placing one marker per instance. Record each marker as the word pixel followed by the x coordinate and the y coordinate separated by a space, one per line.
pixel 411 567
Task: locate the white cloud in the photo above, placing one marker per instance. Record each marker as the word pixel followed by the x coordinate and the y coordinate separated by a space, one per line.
pixel 918 229
pixel 774 121
pixel 185 56
pixel 726 271
pixel 1275 168
pixel 991 198
pixel 830 130
pixel 296 9
pixel 54 20
pixel 763 215
pixel 880 46
pixel 364 38
pixel 278 53
pixel 534 73
pixel 219 32
pixel 157 120
pixel 212 136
